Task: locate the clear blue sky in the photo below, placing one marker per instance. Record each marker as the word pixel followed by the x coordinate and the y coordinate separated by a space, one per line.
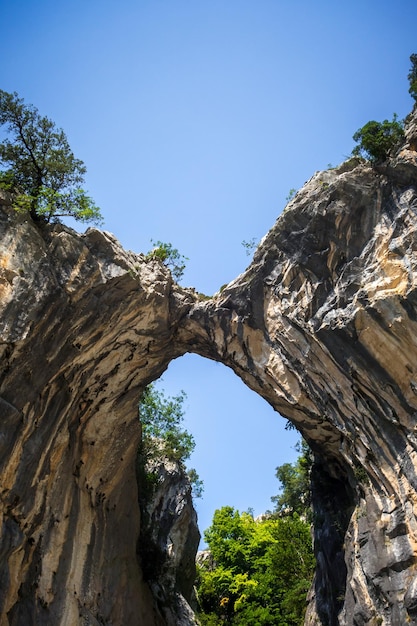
pixel 195 119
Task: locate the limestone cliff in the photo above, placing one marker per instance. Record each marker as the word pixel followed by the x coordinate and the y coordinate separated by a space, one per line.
pixel 84 326
pixel 168 539
pixel 323 325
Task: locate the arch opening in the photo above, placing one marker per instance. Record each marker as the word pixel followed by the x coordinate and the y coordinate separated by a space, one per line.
pixel 240 438
pixel 218 420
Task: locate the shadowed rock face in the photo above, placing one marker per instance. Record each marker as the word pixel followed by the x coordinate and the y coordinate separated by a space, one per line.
pixel 323 325
pixel 168 539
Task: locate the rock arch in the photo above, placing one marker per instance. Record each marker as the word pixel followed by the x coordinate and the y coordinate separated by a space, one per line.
pixel 323 325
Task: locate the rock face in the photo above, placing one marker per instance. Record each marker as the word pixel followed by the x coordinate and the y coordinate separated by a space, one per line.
pixel 323 325
pixel 84 326
pixel 169 539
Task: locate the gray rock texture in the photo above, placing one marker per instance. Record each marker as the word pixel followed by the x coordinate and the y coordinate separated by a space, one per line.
pixel 168 539
pixel 323 325
pixel 84 326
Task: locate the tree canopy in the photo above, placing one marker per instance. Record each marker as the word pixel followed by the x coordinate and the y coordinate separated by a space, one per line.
pixel 376 139
pixel 161 418
pixel 39 167
pixel 163 436
pixel 263 570
pixel 260 570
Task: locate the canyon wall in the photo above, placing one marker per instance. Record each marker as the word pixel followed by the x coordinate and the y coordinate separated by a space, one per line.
pixel 323 325
pixel 84 327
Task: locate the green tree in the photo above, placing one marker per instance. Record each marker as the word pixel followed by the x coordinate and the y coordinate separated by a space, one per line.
pixel 376 139
pixel 169 256
pixel 412 77
pixel 228 537
pixel 163 436
pixel 197 484
pixel 260 570
pixel 38 165
pixel 295 496
pixel 263 570
pixel 291 195
pixel 161 418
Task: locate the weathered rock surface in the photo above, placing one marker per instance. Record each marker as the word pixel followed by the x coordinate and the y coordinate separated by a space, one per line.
pixel 84 325
pixel 323 325
pixel 168 539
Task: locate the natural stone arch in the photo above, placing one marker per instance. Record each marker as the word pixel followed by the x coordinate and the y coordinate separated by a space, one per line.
pixel 322 325
pixel 224 415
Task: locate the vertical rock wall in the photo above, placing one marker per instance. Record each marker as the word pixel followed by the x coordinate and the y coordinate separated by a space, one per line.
pixel 169 538
pixel 83 326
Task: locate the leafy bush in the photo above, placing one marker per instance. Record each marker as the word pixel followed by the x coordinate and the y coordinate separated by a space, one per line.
pixel 169 256
pixel 250 245
pixel 291 195
pixel 377 139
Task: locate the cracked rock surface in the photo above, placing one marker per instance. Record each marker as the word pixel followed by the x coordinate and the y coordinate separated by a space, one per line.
pixel 323 325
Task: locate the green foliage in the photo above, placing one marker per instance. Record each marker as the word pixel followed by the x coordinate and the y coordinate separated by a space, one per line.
pixel 250 245
pixel 209 619
pixel 203 297
pixel 169 256
pixel 295 496
pixel 161 419
pixel 412 77
pixel 39 166
pixel 376 139
pixel 361 475
pixel 163 436
pixel 6 181
pixel 263 570
pixel 291 194
pixel 197 485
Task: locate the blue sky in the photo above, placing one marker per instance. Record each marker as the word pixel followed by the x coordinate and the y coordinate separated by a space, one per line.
pixel 195 119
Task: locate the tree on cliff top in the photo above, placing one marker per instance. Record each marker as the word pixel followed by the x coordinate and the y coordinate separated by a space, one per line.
pixel 377 139
pixel 38 165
